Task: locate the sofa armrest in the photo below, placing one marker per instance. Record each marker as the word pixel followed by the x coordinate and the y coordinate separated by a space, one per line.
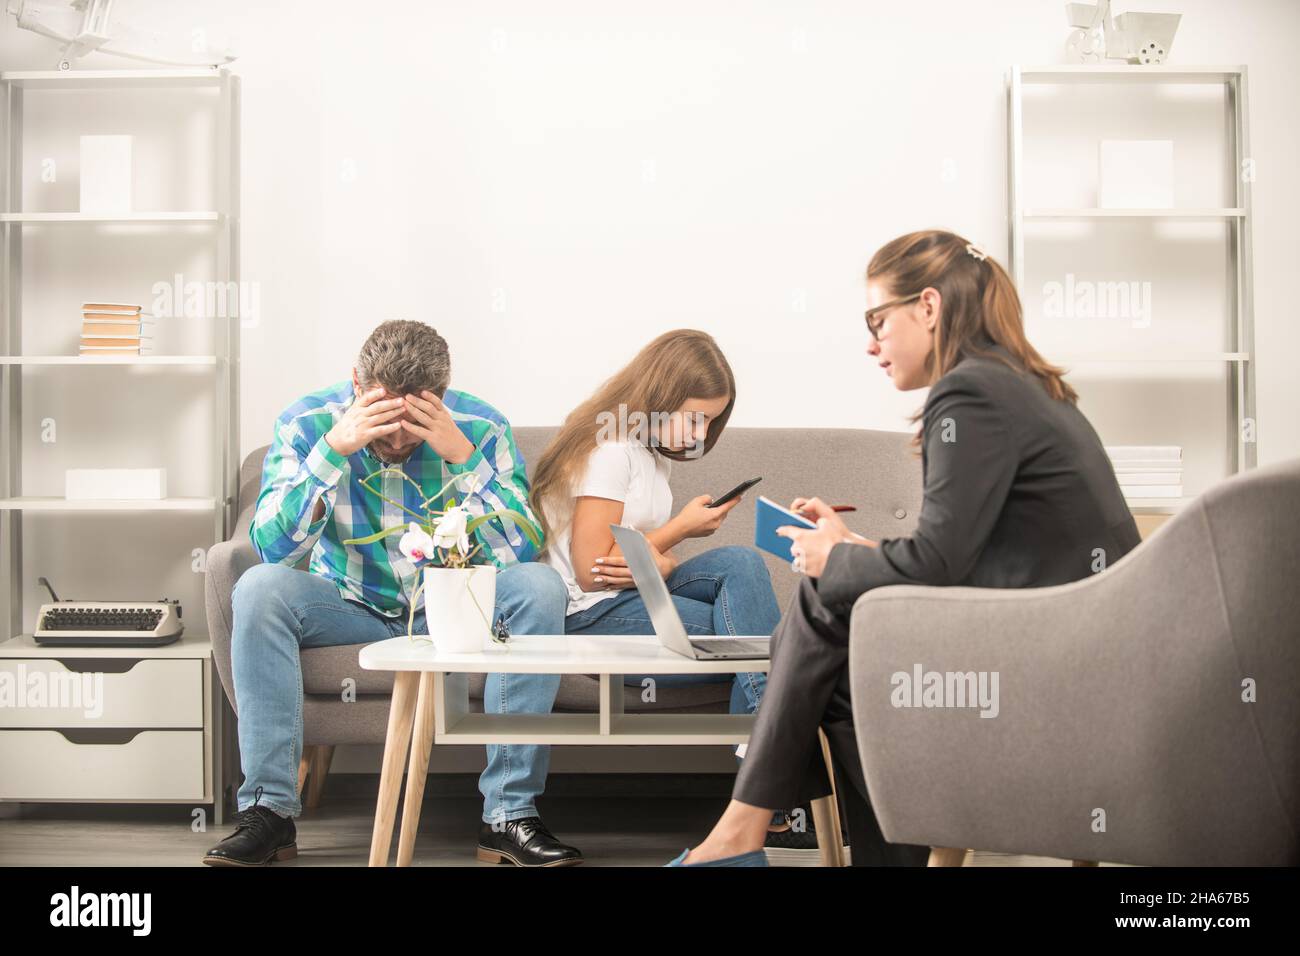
pixel 227 560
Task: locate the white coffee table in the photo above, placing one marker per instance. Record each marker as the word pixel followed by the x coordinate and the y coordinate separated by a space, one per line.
pixel 430 696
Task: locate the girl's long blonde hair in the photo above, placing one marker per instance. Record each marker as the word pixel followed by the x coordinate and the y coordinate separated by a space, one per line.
pixel 677 366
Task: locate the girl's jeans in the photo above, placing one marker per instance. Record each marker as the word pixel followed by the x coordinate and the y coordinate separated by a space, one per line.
pixel 725 591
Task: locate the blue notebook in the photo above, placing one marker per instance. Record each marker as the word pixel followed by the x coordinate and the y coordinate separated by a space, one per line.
pixel 770 517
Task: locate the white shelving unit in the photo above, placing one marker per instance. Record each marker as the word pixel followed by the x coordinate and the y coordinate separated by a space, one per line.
pixel 1237 356
pixel 153 742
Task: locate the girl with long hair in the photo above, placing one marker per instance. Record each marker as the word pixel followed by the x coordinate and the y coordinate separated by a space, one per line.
pixel 610 464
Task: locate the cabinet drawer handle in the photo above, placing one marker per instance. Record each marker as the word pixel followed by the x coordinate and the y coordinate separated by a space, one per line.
pixel 101 735
pixel 101 665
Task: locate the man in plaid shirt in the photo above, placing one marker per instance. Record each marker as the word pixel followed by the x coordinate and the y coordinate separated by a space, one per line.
pixel 397 411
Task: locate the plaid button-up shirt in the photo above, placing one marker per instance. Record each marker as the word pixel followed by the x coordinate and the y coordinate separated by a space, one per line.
pixel 301 469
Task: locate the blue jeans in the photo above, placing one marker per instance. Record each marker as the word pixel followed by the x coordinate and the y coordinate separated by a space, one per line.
pixel 723 591
pixel 278 610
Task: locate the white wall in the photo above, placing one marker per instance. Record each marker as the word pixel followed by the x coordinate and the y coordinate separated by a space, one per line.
pixel 552 184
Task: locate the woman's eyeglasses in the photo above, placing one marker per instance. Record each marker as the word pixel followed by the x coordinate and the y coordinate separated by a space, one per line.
pixel 876 318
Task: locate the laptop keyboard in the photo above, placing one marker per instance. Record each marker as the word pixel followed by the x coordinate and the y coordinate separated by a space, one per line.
pixel 714 645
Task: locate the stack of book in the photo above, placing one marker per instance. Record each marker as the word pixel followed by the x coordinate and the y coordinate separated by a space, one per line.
pixel 113 329
pixel 1148 471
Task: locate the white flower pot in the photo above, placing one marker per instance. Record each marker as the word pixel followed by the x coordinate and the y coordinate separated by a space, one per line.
pixel 458 607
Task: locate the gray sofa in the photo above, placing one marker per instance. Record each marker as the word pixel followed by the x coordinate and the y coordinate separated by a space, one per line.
pixel 1119 695
pixel 876 471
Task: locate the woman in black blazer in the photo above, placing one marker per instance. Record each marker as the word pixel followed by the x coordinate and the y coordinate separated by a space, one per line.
pixel 1018 493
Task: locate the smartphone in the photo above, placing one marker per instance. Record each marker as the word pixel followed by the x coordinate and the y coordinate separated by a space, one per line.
pixel 735 492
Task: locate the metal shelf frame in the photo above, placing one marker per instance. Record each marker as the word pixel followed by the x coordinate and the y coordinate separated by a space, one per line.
pixel 1239 354
pixel 223 225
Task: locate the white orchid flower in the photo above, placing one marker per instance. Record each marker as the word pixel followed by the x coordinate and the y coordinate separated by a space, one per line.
pixel 416 544
pixel 450 532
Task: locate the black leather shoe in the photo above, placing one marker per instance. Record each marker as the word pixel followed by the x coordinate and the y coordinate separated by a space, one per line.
pixel 524 842
pixel 261 836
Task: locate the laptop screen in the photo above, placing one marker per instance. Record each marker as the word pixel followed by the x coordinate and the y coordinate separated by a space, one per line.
pixel 653 590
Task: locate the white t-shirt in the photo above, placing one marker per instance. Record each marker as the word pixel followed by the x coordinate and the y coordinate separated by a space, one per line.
pixel 623 471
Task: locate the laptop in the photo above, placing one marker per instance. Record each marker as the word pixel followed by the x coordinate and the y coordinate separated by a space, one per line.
pixel 663 613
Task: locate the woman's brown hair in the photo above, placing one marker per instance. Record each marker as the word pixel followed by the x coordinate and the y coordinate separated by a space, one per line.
pixel 674 368
pixel 980 307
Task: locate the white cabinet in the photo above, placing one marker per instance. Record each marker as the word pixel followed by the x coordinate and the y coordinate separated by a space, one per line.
pixel 145 765
pixel 112 724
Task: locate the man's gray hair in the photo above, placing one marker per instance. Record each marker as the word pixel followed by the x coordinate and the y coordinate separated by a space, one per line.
pixel 405 357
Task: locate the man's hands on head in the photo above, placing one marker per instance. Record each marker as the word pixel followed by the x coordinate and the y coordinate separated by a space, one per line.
pixel 371 416
pixel 430 420
pixel 396 424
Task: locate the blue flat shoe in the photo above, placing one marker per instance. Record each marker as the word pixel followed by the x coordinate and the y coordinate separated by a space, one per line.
pixel 752 858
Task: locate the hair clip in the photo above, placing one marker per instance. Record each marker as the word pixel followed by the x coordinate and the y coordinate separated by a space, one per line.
pixel 976 251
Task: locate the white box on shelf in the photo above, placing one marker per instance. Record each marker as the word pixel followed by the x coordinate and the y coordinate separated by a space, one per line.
pixel 134 484
pixel 1135 174
pixel 106 174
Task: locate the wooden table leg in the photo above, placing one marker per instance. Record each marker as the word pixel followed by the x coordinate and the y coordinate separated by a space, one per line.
pixel 829 848
pixel 947 856
pixel 417 771
pixel 400 715
pixel 826 813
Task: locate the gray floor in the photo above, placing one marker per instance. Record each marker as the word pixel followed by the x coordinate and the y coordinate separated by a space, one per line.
pixel 613 820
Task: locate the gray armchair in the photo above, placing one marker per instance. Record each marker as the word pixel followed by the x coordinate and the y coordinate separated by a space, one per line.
pixel 877 471
pixel 1122 733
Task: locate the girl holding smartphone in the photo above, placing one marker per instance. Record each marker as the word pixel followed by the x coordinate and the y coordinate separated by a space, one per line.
pixel 610 464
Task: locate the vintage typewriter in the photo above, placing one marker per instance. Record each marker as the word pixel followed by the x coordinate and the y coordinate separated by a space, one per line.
pixel 107 623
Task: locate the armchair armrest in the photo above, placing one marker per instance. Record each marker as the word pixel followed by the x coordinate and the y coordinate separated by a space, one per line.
pixel 1120 731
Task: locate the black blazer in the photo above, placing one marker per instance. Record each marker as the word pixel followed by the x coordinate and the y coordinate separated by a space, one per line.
pixel 1019 493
